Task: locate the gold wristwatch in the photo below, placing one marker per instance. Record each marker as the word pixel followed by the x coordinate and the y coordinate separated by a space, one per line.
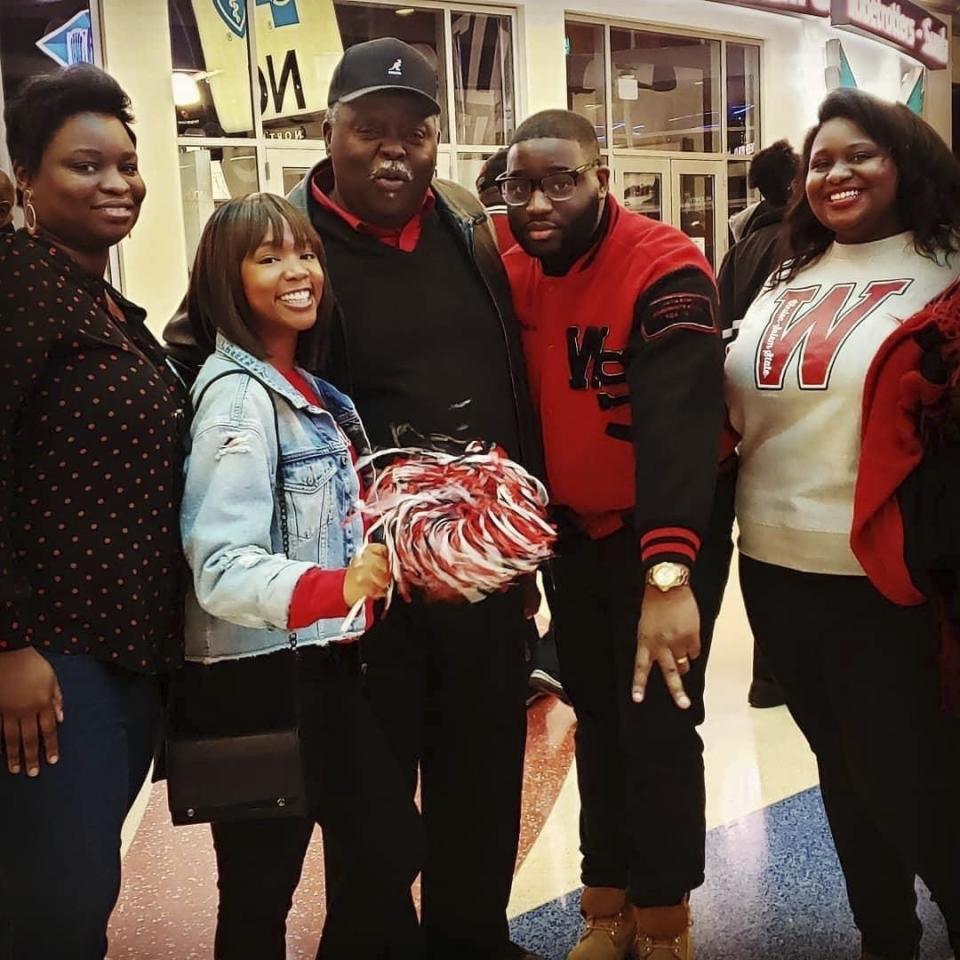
pixel 665 576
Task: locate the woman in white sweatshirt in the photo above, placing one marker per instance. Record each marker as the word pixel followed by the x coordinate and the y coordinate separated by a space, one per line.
pixel 871 237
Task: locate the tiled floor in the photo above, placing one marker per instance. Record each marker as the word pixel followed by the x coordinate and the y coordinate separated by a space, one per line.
pixel 773 890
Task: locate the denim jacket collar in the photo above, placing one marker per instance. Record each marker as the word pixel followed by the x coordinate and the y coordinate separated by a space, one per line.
pixel 334 402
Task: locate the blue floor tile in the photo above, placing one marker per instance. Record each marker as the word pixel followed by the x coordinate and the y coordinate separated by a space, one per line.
pixel 774 891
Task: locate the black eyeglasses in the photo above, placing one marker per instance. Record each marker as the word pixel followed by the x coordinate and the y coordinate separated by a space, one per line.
pixel 556 187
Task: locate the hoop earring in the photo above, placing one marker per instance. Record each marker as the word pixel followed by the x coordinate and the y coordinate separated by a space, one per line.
pixel 29 213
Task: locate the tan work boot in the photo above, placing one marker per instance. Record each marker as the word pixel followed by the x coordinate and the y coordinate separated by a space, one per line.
pixel 608 925
pixel 663 933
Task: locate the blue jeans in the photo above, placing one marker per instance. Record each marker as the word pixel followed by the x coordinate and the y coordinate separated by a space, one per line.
pixel 60 831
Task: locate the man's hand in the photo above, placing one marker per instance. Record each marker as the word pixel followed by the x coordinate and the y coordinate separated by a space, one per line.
pixel 31 706
pixel 368 575
pixel 669 635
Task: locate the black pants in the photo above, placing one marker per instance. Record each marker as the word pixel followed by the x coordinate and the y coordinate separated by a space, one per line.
pixel 639 766
pixel 448 684
pixel 860 678
pixel 371 831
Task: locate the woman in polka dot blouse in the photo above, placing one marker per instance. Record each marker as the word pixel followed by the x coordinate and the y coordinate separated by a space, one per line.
pixel 90 461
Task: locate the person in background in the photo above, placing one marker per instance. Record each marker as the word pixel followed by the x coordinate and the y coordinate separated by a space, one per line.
pixel 623 345
pixel 871 239
pixel 744 271
pixel 771 170
pixel 91 449
pixel 739 221
pixel 544 679
pixel 447 681
pixel 748 263
pixel 8 198
pixel 258 283
pixel 489 194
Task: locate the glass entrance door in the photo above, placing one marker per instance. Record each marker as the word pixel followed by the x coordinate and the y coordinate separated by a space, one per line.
pixel 690 194
pixel 644 186
pixel 700 194
pixel 286 167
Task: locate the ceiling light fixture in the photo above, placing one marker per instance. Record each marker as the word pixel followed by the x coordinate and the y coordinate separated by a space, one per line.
pixel 186 92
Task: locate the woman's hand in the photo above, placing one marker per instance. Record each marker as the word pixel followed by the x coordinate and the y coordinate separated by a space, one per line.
pixel 368 575
pixel 31 706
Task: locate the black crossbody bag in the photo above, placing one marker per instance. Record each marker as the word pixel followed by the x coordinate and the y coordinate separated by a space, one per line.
pixel 257 776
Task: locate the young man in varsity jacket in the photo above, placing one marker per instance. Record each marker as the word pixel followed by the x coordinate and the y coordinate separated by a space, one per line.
pixel 625 359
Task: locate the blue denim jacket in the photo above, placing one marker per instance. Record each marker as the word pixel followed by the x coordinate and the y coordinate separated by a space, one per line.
pixel 242 583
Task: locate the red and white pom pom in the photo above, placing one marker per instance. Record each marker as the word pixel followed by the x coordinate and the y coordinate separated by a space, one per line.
pixel 458 527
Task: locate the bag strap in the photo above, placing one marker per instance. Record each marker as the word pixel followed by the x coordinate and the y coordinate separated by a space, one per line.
pixel 280 498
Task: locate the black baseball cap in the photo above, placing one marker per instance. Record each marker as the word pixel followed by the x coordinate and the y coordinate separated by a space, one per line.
pixel 383 64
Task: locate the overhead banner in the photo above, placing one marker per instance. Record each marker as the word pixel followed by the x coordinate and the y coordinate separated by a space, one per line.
pixel 812 8
pixel 898 23
pixel 298 45
pixel 71 43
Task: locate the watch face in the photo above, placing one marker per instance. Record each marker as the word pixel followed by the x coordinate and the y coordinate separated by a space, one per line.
pixel 664 575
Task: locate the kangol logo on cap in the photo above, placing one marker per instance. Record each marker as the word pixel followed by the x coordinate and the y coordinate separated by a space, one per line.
pixel 397 69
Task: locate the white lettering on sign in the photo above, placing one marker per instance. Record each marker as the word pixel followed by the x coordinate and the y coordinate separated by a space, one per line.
pixel 901 22
pixel 878 17
pixel 936 45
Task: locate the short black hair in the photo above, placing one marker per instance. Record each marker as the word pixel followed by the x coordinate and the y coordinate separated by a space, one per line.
pixel 559 125
pixel 773 171
pixel 46 102
pixel 492 169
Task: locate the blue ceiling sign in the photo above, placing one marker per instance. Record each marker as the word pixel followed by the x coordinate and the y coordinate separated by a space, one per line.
pixel 234 15
pixel 284 12
pixel 71 43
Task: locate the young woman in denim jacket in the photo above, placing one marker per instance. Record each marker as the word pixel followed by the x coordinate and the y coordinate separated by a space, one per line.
pixel 258 284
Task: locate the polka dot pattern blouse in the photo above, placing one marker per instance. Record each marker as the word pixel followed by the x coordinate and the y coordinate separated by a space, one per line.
pixel 91 425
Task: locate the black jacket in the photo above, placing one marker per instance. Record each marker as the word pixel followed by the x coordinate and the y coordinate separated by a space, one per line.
pixel 748 264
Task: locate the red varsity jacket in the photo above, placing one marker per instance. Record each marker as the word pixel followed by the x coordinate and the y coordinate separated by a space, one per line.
pixel 625 364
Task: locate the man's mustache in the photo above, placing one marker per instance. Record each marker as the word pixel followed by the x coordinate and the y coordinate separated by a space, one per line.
pixel 392 171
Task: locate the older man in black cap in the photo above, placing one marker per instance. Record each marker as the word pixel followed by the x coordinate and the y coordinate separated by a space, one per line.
pixel 427 345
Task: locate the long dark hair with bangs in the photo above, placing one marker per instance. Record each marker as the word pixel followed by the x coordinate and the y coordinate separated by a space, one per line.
pixel 928 182
pixel 216 301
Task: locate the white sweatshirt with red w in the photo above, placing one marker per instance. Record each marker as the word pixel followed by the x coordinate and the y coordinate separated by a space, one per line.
pixel 794 386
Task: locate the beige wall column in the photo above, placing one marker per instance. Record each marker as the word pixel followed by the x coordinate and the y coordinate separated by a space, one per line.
pixel 543 63
pixel 136 48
